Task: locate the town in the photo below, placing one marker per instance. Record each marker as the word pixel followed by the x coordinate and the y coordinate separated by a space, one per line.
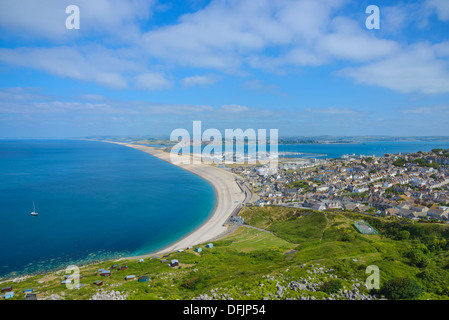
pixel 413 186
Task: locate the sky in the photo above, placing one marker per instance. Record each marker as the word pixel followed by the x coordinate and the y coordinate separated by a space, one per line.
pixel 148 67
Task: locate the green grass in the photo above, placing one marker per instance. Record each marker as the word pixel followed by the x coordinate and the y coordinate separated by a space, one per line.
pixel 239 263
pixel 264 217
pixel 247 240
pixel 306 228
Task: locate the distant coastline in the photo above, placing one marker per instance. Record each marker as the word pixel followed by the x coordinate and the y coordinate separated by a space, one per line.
pixel 285 140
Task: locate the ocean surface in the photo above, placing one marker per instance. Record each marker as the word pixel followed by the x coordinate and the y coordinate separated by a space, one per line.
pixel 367 148
pixel 336 150
pixel 95 201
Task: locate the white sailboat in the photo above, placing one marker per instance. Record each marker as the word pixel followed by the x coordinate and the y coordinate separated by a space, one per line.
pixel 34 213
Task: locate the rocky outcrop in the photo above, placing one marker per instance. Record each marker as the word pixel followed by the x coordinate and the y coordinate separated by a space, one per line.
pixel 111 295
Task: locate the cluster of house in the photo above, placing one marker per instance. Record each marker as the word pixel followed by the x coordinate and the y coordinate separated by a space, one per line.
pixel 393 185
pixel 107 273
pixel 175 262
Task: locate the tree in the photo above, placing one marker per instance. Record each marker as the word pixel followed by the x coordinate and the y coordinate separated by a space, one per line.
pixel 402 288
pixel 400 162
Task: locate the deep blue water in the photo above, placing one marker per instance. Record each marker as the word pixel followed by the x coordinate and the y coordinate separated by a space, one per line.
pixel 95 201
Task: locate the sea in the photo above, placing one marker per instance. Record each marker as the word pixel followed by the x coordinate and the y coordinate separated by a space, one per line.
pixel 337 150
pixel 95 201
pixel 99 201
pixel 378 149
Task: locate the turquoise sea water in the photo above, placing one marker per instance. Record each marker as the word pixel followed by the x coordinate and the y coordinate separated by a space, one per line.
pixel 95 201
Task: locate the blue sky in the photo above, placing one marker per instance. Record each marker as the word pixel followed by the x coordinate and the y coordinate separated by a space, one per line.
pixel 304 67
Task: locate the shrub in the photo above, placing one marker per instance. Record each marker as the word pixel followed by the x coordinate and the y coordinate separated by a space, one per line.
pixel 347 237
pixel 196 282
pixel 331 286
pixel 403 235
pixel 191 283
pixel 418 259
pixel 402 288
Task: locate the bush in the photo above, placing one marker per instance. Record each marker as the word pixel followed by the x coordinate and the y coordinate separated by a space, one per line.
pixel 402 288
pixel 265 255
pixel 347 237
pixel 427 275
pixel 191 283
pixel 197 282
pixel 418 259
pixel 403 235
pixel 331 286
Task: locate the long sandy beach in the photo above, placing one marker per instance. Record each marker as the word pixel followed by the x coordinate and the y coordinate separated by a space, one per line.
pixel 229 196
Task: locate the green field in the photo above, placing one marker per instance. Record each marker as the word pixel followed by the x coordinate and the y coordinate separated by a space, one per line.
pixel 296 247
pixel 247 239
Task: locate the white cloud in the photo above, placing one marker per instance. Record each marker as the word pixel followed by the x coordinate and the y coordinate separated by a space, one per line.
pixel 259 85
pixel 153 81
pixel 231 36
pixel 21 94
pixel 439 110
pixel 233 108
pixel 91 63
pixel 199 80
pixel 416 68
pixel 441 7
pixel 334 111
pixel 46 18
pixel 94 97
pixel 348 41
pixel 226 33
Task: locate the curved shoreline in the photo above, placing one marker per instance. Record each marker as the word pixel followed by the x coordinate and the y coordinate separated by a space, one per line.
pixel 228 194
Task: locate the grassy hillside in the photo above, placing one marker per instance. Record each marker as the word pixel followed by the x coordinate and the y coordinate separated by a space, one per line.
pixel 301 255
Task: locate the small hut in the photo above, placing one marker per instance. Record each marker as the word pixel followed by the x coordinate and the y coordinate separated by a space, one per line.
pixel 98 283
pixel 6 289
pixel 9 294
pixel 131 277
